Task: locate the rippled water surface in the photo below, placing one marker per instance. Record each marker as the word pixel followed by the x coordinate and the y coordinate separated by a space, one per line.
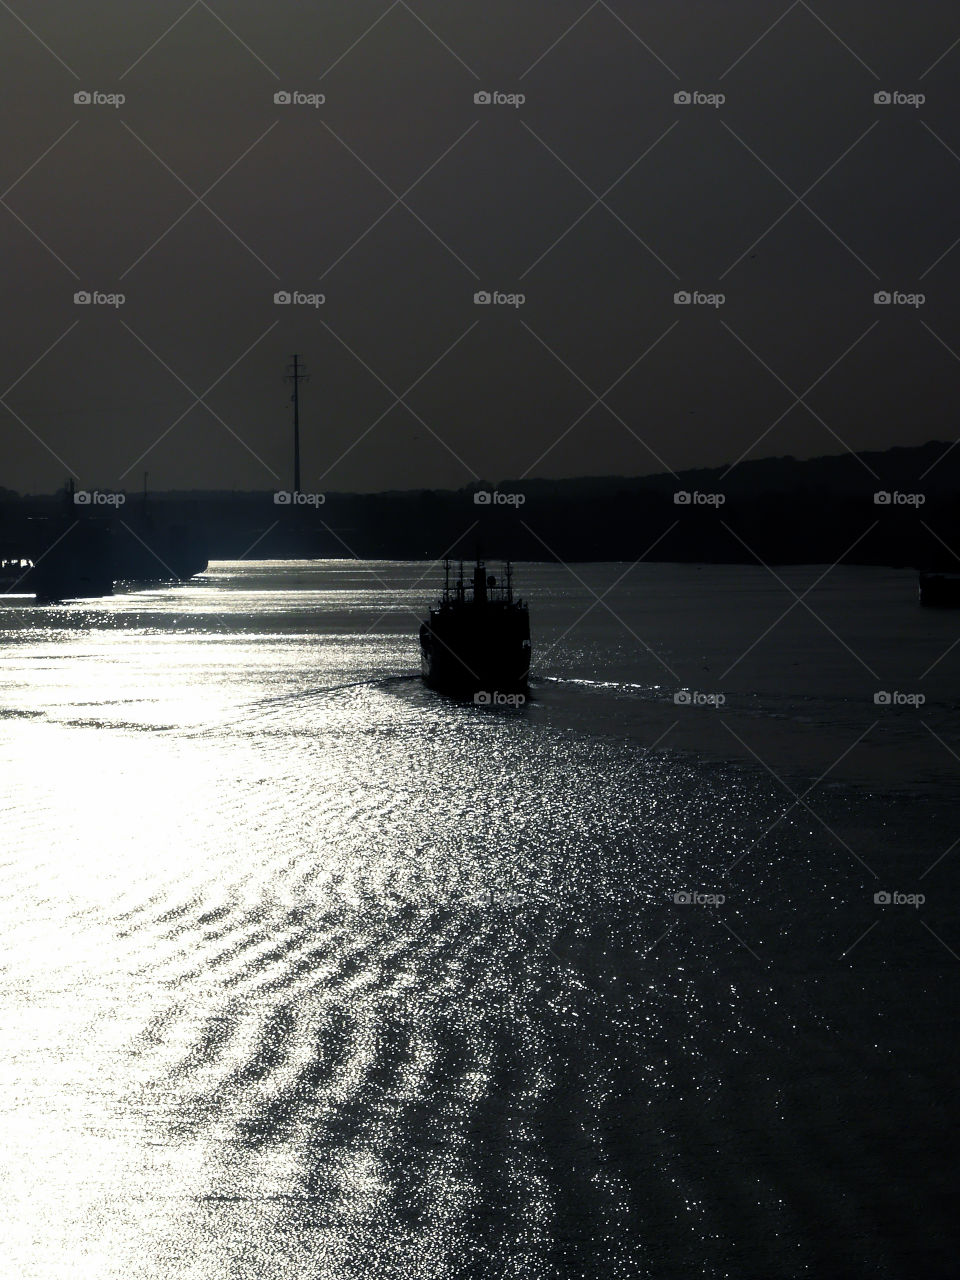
pixel 310 972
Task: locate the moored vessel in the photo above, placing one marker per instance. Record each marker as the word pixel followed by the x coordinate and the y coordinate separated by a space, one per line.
pixel 939 590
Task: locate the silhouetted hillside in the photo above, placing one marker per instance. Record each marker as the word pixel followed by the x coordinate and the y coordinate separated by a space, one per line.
pixel 780 510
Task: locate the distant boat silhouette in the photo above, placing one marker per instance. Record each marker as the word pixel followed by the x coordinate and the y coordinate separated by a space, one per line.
pixel 939 590
pixel 73 556
pixel 477 638
pixel 80 551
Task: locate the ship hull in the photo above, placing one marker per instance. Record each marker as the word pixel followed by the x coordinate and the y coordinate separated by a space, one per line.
pixel 478 656
pixel 76 566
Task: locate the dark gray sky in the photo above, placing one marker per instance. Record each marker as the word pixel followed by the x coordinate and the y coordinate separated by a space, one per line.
pixel 694 197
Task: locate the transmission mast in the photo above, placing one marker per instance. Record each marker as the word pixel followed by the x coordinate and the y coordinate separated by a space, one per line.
pixel 296 375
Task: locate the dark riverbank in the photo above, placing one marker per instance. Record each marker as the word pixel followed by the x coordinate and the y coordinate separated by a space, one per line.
pixel 899 508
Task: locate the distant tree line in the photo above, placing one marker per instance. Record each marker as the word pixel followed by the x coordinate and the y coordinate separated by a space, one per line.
pixel 899 508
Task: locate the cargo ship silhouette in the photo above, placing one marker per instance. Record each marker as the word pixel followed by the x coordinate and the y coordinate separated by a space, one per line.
pixel 477 637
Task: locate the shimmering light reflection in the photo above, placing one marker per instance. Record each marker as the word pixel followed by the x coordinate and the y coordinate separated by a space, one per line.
pixel 311 973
